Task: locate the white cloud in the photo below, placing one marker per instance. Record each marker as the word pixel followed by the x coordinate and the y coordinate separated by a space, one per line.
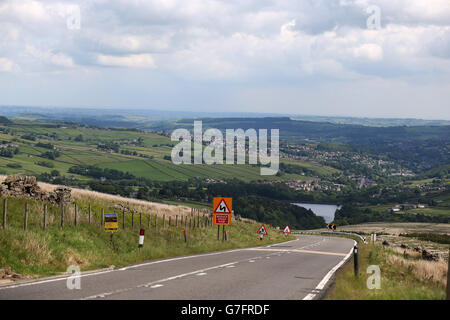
pixel 241 43
pixel 6 65
pixel 369 51
pixel 130 61
pixel 48 57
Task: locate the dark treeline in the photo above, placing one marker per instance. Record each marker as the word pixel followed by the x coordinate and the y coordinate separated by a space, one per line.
pixel 266 203
pixel 353 215
pixel 98 173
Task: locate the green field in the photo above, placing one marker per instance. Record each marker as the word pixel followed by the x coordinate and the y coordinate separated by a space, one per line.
pixel 155 147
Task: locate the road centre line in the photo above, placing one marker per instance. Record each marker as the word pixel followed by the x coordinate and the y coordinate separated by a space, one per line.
pixel 94 273
pixel 102 295
pixel 303 251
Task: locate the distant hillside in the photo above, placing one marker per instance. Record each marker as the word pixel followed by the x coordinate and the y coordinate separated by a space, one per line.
pixel 5 120
pixel 420 147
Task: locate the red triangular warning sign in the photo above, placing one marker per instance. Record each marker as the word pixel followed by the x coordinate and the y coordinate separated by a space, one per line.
pixel 287 230
pixel 222 208
pixel 262 230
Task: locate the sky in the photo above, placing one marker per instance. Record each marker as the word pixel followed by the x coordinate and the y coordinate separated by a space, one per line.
pixel 318 57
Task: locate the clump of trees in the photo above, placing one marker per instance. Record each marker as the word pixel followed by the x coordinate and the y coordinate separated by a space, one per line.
pixel 96 172
pixel 8 152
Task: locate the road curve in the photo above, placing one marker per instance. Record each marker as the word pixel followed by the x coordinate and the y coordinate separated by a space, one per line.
pixel 297 269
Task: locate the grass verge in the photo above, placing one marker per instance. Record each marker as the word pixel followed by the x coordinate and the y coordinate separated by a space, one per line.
pixel 402 277
pixel 38 252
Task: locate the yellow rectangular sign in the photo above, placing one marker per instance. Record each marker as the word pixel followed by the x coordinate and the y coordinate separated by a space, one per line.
pixel 111 223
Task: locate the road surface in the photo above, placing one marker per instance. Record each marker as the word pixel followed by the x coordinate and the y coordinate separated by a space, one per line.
pixel 297 269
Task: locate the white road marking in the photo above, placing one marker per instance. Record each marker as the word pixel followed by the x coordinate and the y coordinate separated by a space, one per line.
pixel 101 295
pixel 251 260
pixel 53 280
pixel 93 273
pixel 201 273
pixel 232 266
pixel 327 277
pixel 302 251
pixel 157 286
pixel 157 283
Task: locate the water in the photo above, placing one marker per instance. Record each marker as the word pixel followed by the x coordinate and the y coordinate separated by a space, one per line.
pixel 326 211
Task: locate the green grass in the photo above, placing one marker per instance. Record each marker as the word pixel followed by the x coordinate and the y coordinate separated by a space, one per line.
pixel 431 211
pixel 48 252
pixel 397 282
pixel 164 170
pixel 154 145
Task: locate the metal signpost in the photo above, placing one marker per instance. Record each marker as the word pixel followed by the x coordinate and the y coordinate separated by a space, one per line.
pixel 141 238
pixel 111 225
pixel 222 214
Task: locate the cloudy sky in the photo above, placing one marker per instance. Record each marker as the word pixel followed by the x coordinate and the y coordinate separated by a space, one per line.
pixel 324 57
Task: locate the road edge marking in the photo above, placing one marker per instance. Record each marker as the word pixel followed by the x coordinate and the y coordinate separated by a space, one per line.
pixel 328 276
pixel 89 273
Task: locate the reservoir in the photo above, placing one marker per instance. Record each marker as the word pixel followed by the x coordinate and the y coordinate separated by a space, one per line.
pixel 326 211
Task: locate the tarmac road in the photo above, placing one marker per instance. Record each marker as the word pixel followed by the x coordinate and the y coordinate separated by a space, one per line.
pixel 298 269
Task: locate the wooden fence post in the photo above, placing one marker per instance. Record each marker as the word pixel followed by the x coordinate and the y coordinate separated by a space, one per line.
pixel 123 219
pixel 25 224
pixel 76 215
pixel 176 221
pixel 140 219
pixel 103 217
pixel 90 213
pixel 164 221
pixel 170 219
pixel 149 221
pixel 62 215
pixel 156 222
pixel 45 216
pixel 5 209
pixel 132 219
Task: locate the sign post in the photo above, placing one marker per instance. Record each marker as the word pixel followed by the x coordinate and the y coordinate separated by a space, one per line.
pixel 111 226
pixel 331 226
pixel 262 232
pixel 222 214
pixel 141 238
